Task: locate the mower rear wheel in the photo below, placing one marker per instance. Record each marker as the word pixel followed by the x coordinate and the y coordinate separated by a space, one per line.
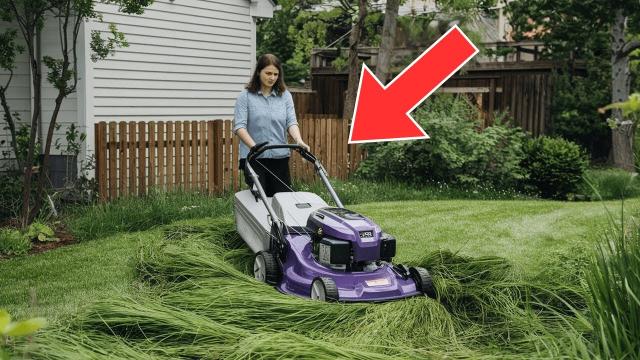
pixel 324 289
pixel 423 280
pixel 266 268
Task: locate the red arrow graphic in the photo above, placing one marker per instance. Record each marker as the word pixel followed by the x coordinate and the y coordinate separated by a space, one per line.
pixel 382 112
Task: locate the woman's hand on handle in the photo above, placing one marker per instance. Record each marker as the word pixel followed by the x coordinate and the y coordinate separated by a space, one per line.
pixel 294 131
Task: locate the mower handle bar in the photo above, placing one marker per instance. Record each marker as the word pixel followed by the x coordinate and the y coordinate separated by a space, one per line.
pixel 262 147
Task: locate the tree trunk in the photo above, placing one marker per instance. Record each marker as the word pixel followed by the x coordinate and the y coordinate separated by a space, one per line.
pixel 383 67
pixel 28 163
pixel 354 41
pixel 622 135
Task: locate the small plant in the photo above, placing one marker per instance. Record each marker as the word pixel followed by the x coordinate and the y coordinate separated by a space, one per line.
pixel 40 232
pixel 555 166
pixel 15 329
pixel 13 242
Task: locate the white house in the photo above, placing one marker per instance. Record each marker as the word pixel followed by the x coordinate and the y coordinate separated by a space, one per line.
pixel 186 60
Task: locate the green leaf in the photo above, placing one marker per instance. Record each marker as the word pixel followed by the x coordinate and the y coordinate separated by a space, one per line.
pixel 26 327
pixel 5 319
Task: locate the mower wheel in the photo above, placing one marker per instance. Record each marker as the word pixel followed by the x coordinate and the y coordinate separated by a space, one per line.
pixel 424 282
pixel 324 289
pixel 266 268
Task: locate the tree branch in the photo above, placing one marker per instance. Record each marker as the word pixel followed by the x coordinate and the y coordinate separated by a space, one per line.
pixel 9 119
pixel 629 47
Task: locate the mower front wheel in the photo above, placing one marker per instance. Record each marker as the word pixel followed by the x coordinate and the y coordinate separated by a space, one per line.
pixel 324 289
pixel 266 268
pixel 423 280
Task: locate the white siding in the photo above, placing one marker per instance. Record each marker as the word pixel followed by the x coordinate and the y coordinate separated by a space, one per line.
pixel 186 60
pixel 18 96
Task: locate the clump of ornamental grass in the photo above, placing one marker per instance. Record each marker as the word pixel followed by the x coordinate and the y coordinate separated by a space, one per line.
pixel 614 288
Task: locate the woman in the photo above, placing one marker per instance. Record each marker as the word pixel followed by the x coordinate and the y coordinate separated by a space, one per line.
pixel 264 112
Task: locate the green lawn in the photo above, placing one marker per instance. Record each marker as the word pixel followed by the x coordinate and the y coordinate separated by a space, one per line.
pixel 525 232
pixel 71 276
pixel 528 233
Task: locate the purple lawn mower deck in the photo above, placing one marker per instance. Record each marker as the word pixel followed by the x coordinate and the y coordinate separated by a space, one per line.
pixel 301 268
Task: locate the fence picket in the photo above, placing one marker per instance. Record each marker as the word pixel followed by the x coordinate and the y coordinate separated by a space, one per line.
pixel 161 154
pixel 152 154
pixel 171 145
pixel 142 158
pixel 122 153
pixel 133 180
pixel 112 160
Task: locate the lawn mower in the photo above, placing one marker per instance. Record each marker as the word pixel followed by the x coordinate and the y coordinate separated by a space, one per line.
pixel 307 248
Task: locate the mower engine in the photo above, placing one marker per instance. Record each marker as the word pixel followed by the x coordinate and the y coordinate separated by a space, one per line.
pixel 345 240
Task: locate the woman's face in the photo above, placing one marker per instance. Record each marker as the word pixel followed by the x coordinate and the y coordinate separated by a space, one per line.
pixel 269 75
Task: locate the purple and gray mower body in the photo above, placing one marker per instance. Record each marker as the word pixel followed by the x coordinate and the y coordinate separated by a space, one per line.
pixel 307 248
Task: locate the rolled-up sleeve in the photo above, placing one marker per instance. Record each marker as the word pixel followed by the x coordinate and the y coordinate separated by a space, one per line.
pixel 240 113
pixel 291 112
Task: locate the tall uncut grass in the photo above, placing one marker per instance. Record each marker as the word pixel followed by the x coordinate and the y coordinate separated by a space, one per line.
pixel 614 288
pixel 197 300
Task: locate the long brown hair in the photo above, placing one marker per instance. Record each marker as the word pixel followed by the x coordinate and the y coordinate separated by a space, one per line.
pixel 265 60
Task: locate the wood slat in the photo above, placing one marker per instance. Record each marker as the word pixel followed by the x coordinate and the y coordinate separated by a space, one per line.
pixel 178 149
pixel 142 159
pixel 122 158
pixel 152 154
pixel 194 156
pixel 234 163
pixel 334 147
pixel 113 190
pixel 217 148
pixel 210 157
pixel 186 152
pixel 170 153
pixel 162 157
pixel 228 145
pixel 133 154
pixel 202 133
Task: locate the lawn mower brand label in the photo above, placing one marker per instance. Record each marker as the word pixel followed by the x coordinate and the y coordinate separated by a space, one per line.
pixel 366 234
pixel 377 282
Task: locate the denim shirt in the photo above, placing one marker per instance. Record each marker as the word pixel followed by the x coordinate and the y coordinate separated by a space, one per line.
pixel 266 118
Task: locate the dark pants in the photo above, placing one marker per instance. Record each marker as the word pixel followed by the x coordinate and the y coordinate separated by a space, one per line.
pixel 276 180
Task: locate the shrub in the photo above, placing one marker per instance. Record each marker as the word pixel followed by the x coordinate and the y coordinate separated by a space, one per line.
pixel 10 196
pixel 607 184
pixel 555 166
pixel 457 152
pixel 13 242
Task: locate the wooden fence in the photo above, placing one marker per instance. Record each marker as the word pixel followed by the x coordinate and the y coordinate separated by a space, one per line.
pixel 132 157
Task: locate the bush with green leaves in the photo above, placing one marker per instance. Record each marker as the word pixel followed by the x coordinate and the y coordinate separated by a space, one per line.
pixel 456 153
pixel 608 184
pixel 555 166
pixel 13 242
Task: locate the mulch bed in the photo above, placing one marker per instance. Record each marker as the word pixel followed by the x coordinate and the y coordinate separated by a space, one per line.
pixel 62 233
pixel 60 230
